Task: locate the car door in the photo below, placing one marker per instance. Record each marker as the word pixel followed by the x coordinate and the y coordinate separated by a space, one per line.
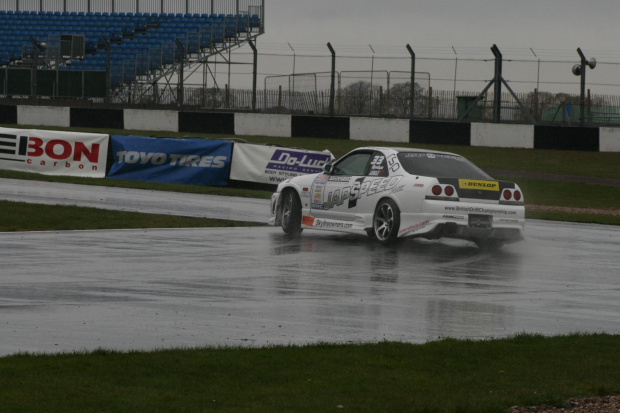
pixel 333 194
pixel 382 178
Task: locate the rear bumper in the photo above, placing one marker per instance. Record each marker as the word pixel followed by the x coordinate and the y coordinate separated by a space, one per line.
pixel 465 220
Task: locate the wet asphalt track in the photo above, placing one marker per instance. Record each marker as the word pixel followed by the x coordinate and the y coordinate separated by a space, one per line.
pixel 145 289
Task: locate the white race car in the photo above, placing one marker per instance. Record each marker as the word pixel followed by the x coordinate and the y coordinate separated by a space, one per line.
pixel 391 193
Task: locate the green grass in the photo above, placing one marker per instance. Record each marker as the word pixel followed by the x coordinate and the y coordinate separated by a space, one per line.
pixel 442 376
pixel 19 216
pixel 537 191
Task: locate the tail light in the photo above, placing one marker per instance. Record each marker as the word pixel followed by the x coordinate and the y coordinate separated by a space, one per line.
pixel 511 196
pixel 443 192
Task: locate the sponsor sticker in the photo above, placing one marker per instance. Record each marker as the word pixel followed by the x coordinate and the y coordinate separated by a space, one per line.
pixel 297 161
pixel 329 223
pixel 413 228
pixel 306 220
pixel 476 184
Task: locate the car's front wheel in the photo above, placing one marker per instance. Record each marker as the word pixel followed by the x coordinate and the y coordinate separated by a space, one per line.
pixel 291 213
pixel 386 221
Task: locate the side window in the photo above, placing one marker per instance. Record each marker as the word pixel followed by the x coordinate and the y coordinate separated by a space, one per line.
pixel 354 164
pixel 378 165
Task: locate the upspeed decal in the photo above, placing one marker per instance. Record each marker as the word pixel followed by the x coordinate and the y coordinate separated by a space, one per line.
pixel 476 184
pixel 361 187
pixel 415 227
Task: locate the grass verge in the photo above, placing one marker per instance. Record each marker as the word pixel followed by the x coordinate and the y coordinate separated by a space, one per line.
pixel 442 376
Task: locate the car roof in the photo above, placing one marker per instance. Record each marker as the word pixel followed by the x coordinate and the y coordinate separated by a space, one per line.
pixel 401 149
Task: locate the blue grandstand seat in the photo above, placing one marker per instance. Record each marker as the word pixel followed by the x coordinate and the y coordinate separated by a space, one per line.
pixel 139 42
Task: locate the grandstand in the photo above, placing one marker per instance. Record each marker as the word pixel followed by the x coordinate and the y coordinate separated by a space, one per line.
pixel 83 52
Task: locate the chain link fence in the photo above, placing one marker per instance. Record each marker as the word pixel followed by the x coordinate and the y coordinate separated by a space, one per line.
pixel 379 86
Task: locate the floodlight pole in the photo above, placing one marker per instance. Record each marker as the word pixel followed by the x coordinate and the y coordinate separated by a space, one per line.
pixel 107 70
pixel 36 47
pixel 332 87
pixel 180 97
pixel 412 86
pixel 582 98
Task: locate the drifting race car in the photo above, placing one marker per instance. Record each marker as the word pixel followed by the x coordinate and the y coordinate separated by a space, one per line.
pixel 391 193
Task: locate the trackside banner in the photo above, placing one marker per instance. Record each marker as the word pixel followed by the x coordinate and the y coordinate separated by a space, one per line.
pixel 54 152
pixel 168 160
pixel 274 164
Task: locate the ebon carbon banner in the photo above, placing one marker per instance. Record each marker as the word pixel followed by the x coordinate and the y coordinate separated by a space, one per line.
pixel 53 152
pixel 168 160
pixel 274 164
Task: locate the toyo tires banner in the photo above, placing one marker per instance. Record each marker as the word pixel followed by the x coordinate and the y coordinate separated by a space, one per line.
pixel 168 160
pixel 53 152
pixel 274 164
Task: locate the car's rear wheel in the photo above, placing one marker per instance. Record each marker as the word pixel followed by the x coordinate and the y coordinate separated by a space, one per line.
pixel 291 213
pixel 489 244
pixel 386 221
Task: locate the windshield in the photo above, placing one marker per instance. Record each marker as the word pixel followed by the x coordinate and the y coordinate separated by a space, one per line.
pixel 440 165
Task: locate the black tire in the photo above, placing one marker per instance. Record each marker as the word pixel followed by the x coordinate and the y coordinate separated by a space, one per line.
pixel 291 213
pixel 489 244
pixel 386 221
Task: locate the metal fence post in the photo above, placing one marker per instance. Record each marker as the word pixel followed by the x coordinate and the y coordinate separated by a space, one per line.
pixel 412 88
pixel 332 87
pixel 497 99
pixel 254 70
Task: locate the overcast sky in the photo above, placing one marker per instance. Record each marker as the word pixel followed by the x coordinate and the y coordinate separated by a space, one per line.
pixel 551 28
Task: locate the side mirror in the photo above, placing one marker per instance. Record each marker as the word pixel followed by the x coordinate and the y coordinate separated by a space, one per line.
pixel 328 167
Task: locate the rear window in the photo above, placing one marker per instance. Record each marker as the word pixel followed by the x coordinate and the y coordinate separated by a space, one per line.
pixel 440 165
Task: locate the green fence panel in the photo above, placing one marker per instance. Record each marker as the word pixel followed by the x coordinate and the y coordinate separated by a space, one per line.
pixel 46 83
pixel 94 84
pixel 70 84
pixel 18 82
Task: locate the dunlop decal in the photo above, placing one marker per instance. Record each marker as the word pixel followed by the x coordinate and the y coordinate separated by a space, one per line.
pixel 480 185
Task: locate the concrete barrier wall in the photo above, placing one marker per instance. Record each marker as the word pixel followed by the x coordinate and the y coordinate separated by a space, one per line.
pixel 604 139
pixel 44 116
pixel 156 120
pixel 376 129
pixel 609 140
pixel 255 124
pixel 502 136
